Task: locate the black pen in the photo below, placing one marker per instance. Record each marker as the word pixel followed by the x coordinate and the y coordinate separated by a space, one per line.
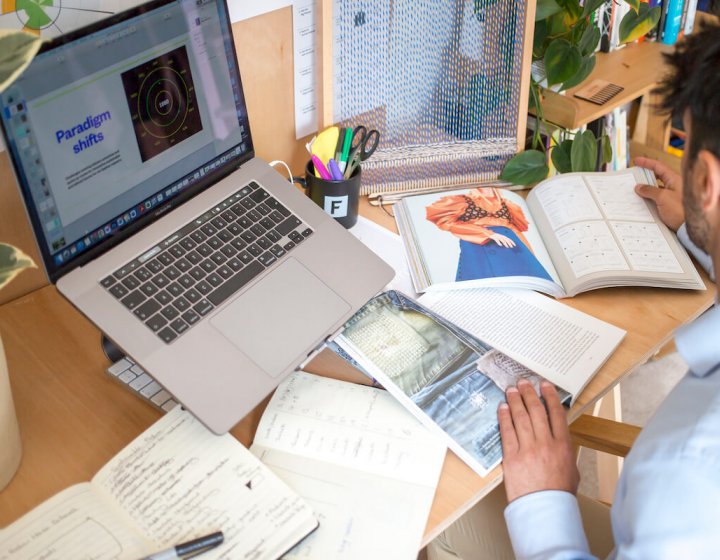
pixel 188 549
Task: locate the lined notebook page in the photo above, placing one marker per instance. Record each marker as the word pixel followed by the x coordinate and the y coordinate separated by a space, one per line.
pixel 365 464
pixel 76 523
pixel 178 481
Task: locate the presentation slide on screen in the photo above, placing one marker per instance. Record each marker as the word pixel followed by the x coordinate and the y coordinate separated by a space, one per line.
pixel 109 132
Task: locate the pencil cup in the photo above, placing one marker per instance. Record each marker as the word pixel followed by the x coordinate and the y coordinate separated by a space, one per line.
pixel 338 198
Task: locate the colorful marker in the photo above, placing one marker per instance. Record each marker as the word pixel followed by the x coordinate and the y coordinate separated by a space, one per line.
pixel 346 148
pixel 334 169
pixel 320 168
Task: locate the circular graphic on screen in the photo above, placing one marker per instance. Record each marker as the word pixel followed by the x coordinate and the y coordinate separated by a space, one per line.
pixel 163 102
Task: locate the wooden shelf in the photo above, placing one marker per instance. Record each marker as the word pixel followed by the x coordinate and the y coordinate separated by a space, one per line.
pixel 636 68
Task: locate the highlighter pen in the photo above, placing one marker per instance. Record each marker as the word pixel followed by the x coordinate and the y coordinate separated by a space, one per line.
pixel 337 175
pixel 340 143
pixel 320 168
pixel 346 148
pixel 189 549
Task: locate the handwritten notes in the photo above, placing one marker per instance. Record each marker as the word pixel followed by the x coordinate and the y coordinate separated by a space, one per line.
pixel 175 482
pixel 179 481
pixel 367 467
pixel 76 523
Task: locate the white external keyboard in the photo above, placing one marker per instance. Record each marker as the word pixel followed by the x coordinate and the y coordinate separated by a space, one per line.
pixel 134 378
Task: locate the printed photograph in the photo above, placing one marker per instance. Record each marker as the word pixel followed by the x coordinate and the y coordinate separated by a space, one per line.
pixel 491 231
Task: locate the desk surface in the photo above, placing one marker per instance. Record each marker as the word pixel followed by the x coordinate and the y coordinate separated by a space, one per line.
pixel 74 418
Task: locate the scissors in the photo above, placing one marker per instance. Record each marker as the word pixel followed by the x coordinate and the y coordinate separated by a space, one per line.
pixel 362 146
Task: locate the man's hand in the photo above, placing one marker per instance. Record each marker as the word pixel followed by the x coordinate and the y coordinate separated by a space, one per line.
pixel 537 454
pixel 502 240
pixel 668 199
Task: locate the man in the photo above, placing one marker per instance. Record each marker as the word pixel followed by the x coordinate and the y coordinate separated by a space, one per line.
pixel 668 497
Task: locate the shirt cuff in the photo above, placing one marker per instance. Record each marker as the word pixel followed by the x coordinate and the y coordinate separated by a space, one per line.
pixel 701 256
pixel 546 524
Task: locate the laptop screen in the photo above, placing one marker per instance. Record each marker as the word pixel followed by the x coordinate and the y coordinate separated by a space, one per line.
pixel 112 124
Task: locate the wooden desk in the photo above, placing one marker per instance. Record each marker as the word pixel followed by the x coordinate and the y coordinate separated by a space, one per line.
pixel 74 417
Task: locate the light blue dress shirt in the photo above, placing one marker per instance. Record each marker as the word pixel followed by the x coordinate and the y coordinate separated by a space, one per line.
pixel 667 503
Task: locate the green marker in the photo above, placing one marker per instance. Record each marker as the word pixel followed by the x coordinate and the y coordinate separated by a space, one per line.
pixel 346 149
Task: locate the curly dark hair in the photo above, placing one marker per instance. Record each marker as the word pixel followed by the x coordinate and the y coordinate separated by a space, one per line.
pixel 693 86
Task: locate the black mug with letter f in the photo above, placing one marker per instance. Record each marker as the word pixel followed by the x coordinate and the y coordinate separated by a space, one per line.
pixel 339 199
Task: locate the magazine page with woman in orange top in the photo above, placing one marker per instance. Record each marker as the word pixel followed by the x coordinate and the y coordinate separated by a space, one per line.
pixel 477 237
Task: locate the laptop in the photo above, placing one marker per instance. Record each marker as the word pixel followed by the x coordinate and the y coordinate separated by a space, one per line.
pixel 131 144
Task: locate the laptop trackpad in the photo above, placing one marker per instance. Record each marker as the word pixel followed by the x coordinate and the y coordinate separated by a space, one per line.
pixel 277 321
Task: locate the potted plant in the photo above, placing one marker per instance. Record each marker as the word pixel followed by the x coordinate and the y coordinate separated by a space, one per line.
pixel 563 56
pixel 16 51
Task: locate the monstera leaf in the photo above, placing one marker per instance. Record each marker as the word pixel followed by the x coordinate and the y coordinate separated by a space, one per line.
pixel 12 262
pixel 17 50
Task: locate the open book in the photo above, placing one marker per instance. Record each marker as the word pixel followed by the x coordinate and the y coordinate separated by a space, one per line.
pixel 367 467
pixel 450 380
pixel 575 232
pixel 175 482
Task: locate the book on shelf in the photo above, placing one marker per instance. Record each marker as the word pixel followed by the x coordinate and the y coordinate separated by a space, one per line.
pixel 574 232
pixel 673 22
pixel 453 381
pixel 175 482
pixel 367 466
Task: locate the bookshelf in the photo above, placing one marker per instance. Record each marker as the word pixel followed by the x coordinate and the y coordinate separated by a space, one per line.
pixel 636 68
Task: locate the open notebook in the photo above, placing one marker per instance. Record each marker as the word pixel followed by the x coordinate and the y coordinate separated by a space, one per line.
pixel 365 465
pixel 175 482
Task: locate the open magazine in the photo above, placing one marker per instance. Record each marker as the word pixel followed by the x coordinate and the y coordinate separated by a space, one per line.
pixel 575 232
pixel 450 380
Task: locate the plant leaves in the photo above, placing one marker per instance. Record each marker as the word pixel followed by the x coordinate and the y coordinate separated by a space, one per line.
pixel 17 50
pixel 560 156
pixel 571 9
pixel 12 262
pixel 541 33
pixel 634 4
pixel 635 25
pixel 606 149
pixel 525 168
pixel 545 9
pixel 562 61
pixel 583 154
pixel 578 31
pixel 557 25
pixel 589 40
pixel 586 67
pixel 590 6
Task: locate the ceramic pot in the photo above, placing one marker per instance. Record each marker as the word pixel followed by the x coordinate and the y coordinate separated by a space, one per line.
pixel 10 444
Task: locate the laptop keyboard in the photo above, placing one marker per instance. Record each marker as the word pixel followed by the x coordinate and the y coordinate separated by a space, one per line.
pixel 180 280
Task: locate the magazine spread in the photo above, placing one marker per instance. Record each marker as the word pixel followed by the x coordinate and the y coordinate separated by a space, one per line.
pixel 575 232
pixel 451 381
